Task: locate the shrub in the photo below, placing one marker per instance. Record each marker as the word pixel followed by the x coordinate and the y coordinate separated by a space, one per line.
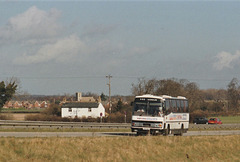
pixel 65 119
pixel 42 117
pixel 6 117
pixel 76 119
pixel 53 109
pixel 116 118
pixel 53 114
pixel 198 113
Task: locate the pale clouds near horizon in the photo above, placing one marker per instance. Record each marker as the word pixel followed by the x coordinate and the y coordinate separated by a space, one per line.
pixel 60 51
pixel 41 29
pixel 31 24
pixel 226 60
pixel 36 26
pixel 141 39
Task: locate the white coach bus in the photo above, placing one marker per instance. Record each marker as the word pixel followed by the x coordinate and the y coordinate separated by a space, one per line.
pixel 160 115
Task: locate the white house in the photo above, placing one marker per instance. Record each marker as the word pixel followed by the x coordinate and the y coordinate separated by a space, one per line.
pixel 82 109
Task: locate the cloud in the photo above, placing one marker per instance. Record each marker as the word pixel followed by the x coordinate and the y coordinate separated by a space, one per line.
pixel 94 30
pixel 61 51
pixel 37 34
pixel 33 23
pixel 139 50
pixel 226 60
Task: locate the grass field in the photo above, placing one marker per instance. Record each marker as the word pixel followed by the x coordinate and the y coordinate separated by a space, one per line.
pixel 21 110
pixel 63 130
pixel 229 119
pixel 148 148
pixel 225 120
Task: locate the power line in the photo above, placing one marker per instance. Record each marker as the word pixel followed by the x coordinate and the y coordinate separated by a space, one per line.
pixel 71 77
pixel 59 77
pixel 115 77
pixel 109 85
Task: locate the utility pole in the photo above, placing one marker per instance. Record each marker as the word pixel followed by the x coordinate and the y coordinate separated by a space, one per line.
pixel 109 98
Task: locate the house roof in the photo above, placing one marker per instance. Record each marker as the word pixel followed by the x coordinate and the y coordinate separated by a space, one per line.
pixel 80 105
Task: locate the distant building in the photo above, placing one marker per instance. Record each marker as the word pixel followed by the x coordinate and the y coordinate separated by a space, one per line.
pixel 79 98
pixel 44 104
pixel 8 104
pixel 26 104
pixel 17 104
pixel 82 109
pixel 36 104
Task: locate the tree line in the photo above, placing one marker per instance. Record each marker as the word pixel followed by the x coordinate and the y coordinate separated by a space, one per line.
pixel 212 100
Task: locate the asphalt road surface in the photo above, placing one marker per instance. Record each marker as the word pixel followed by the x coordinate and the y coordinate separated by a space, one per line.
pixel 98 134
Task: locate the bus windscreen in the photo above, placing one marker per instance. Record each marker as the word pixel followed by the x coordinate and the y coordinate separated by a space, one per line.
pixel 147 108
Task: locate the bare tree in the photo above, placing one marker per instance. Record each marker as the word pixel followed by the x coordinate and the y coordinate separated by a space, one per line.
pixel 170 87
pixel 143 87
pixel 194 96
pixel 233 94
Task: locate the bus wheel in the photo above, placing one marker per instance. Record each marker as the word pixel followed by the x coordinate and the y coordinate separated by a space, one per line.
pixel 154 133
pixel 167 131
pixel 139 133
pixel 181 131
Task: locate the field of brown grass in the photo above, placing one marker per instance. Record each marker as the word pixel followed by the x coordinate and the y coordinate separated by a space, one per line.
pixel 148 148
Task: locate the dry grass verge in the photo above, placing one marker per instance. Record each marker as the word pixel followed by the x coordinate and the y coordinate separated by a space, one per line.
pixel 160 148
pixel 34 129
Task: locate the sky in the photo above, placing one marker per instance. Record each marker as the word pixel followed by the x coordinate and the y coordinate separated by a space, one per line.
pixel 63 47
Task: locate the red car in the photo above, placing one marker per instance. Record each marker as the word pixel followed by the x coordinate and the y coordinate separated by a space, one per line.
pixel 214 121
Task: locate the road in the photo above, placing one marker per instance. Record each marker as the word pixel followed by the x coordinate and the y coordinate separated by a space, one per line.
pixel 98 134
pixel 94 125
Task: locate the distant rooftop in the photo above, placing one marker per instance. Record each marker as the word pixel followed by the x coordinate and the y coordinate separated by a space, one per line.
pixel 80 105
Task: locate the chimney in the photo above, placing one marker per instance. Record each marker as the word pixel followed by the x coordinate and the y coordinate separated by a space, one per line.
pixel 99 99
pixel 78 96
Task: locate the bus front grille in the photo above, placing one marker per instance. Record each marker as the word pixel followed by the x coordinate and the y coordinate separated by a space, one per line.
pixel 146 124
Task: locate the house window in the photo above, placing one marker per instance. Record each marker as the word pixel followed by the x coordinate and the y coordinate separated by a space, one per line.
pixel 89 110
pixel 69 109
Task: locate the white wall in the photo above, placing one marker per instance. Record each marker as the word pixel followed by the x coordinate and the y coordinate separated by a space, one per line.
pixel 80 112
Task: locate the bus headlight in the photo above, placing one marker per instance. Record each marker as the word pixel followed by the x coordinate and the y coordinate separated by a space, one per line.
pixel 137 124
pixel 158 125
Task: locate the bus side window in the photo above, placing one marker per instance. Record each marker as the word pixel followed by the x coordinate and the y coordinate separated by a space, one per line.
pixel 167 106
pixel 174 105
pixel 178 105
pixel 182 106
pixel 170 106
pixel 185 106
